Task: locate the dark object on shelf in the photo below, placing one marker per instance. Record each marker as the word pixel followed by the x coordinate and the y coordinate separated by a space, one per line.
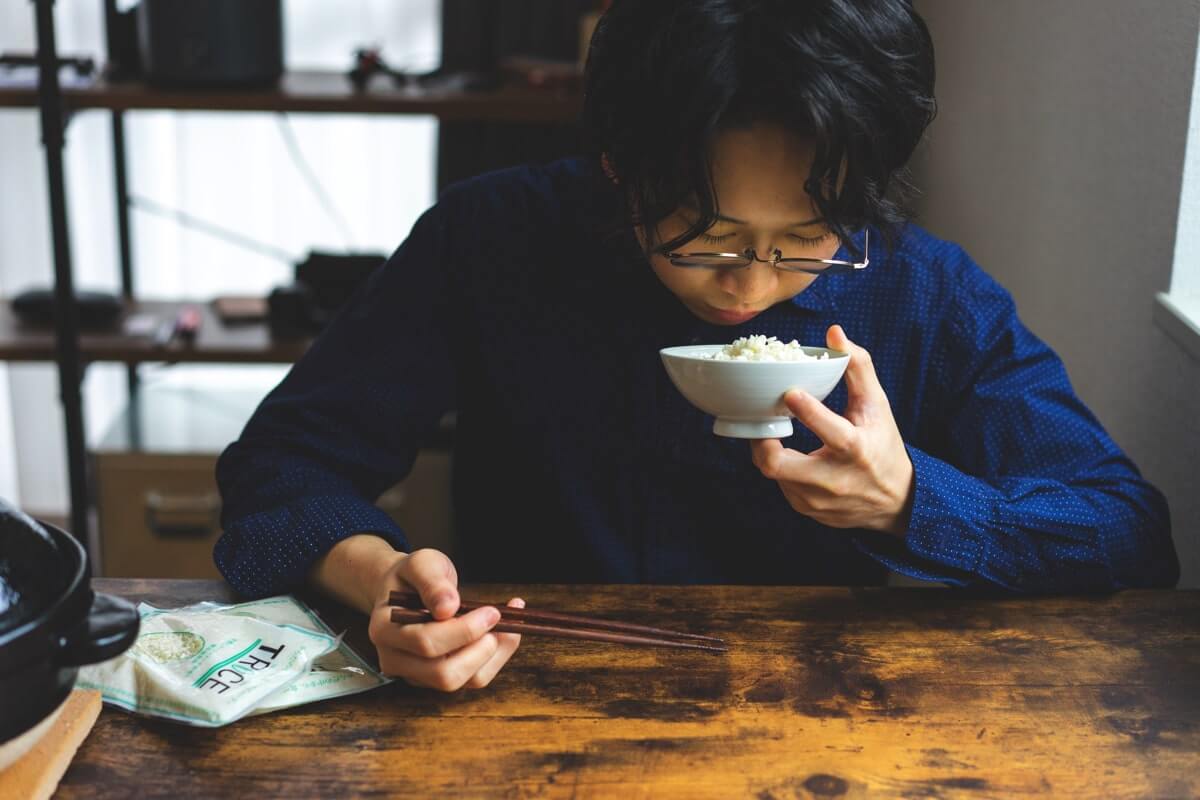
pixel 83 65
pixel 324 282
pixel 187 324
pixel 292 312
pixel 211 43
pixel 369 62
pixel 51 623
pixel 97 310
pixel 121 42
pixel 240 309
pixel 184 325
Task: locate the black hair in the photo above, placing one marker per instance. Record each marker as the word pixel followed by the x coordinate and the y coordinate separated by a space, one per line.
pixel 664 77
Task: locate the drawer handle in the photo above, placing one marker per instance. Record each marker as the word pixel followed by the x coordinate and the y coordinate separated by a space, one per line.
pixel 183 516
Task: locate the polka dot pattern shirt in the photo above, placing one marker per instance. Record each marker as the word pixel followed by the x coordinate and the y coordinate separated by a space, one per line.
pixel 518 303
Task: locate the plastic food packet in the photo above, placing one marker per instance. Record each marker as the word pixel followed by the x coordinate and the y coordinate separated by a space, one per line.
pixel 338 673
pixel 203 667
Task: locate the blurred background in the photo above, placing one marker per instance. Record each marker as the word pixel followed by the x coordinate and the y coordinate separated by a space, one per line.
pixel 1059 159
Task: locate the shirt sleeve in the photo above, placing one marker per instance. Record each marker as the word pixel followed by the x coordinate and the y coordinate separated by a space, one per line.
pixel 1018 485
pixel 344 425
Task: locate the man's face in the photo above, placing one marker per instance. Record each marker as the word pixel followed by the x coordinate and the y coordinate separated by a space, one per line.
pixel 758 175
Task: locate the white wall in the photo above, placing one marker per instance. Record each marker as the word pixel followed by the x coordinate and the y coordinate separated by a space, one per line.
pixel 1056 161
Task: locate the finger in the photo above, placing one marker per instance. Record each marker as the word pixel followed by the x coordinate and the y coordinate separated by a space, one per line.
pixel 432 575
pixel 508 644
pixel 801 480
pixel 862 384
pixel 444 674
pixel 834 430
pixel 761 449
pixel 433 639
pixel 780 463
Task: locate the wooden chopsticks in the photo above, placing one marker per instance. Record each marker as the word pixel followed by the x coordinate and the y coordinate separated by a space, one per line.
pixel 409 608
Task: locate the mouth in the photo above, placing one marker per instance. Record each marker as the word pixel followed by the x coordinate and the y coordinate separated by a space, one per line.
pixel 732 317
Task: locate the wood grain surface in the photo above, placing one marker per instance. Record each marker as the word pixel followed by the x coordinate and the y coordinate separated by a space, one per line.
pixel 826 692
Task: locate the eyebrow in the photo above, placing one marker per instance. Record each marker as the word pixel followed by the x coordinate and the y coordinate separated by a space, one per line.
pixel 736 221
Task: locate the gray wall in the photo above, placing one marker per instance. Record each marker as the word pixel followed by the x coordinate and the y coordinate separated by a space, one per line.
pixel 1056 160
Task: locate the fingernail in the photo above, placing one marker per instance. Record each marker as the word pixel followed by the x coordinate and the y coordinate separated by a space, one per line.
pixel 517 602
pixel 492 617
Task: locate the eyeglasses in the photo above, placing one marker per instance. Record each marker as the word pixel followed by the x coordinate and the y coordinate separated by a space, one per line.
pixel 813 266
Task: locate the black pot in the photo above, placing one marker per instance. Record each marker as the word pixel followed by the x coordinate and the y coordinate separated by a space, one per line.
pixel 51 622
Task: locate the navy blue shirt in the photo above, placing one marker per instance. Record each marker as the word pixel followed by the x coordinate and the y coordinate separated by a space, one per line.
pixel 518 303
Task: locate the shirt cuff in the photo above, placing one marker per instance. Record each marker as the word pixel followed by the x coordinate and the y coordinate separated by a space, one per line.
pixel 946 536
pixel 272 552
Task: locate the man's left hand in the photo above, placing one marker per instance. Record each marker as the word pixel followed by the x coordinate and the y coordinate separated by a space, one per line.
pixel 862 476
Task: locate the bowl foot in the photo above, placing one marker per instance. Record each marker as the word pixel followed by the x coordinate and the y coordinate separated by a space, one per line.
pixel 778 428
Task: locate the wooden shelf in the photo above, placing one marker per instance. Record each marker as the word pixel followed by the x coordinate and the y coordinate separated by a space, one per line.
pixel 321 92
pixel 215 342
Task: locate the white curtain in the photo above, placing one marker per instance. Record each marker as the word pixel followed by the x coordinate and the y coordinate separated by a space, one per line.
pixel 231 170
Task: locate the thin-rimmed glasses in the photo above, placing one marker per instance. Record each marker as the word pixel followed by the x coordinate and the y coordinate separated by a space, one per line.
pixel 813 266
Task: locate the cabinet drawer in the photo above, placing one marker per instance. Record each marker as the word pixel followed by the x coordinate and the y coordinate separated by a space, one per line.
pixel 160 513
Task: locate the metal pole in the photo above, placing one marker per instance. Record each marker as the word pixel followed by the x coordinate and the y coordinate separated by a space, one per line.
pixel 125 249
pixel 122 186
pixel 66 316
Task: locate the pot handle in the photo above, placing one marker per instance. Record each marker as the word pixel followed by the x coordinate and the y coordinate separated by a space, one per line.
pixel 110 628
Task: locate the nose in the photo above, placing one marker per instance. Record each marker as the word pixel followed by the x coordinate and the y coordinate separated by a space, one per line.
pixel 749 285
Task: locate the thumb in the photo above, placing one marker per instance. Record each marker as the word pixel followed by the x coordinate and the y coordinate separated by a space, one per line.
pixel 433 576
pixel 862 384
pixel 836 339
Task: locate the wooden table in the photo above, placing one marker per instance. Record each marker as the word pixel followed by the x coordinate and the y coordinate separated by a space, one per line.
pixel 825 693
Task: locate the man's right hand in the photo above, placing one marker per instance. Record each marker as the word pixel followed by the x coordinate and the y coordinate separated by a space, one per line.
pixel 449 653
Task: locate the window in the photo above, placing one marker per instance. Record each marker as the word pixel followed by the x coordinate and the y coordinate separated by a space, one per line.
pixel 1178 310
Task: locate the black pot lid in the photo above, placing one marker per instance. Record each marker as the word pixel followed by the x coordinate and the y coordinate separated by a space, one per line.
pixel 33 569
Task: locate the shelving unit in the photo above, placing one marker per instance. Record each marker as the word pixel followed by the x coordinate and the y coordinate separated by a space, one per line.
pixel 214 343
pixel 298 91
pixel 320 92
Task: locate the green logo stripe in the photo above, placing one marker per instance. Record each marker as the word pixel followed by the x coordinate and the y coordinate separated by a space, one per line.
pixel 200 681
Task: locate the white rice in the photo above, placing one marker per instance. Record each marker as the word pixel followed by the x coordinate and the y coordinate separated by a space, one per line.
pixel 763 348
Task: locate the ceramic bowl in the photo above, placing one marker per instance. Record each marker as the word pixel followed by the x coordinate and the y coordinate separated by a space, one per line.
pixel 746 397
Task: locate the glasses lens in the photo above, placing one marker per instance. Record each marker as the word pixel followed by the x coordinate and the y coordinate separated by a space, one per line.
pixel 804 265
pixel 704 261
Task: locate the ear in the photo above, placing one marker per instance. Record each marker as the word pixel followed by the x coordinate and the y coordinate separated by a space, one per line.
pixel 606 165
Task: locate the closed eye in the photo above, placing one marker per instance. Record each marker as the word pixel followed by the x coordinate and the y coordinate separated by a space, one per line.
pixel 807 240
pixel 811 240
